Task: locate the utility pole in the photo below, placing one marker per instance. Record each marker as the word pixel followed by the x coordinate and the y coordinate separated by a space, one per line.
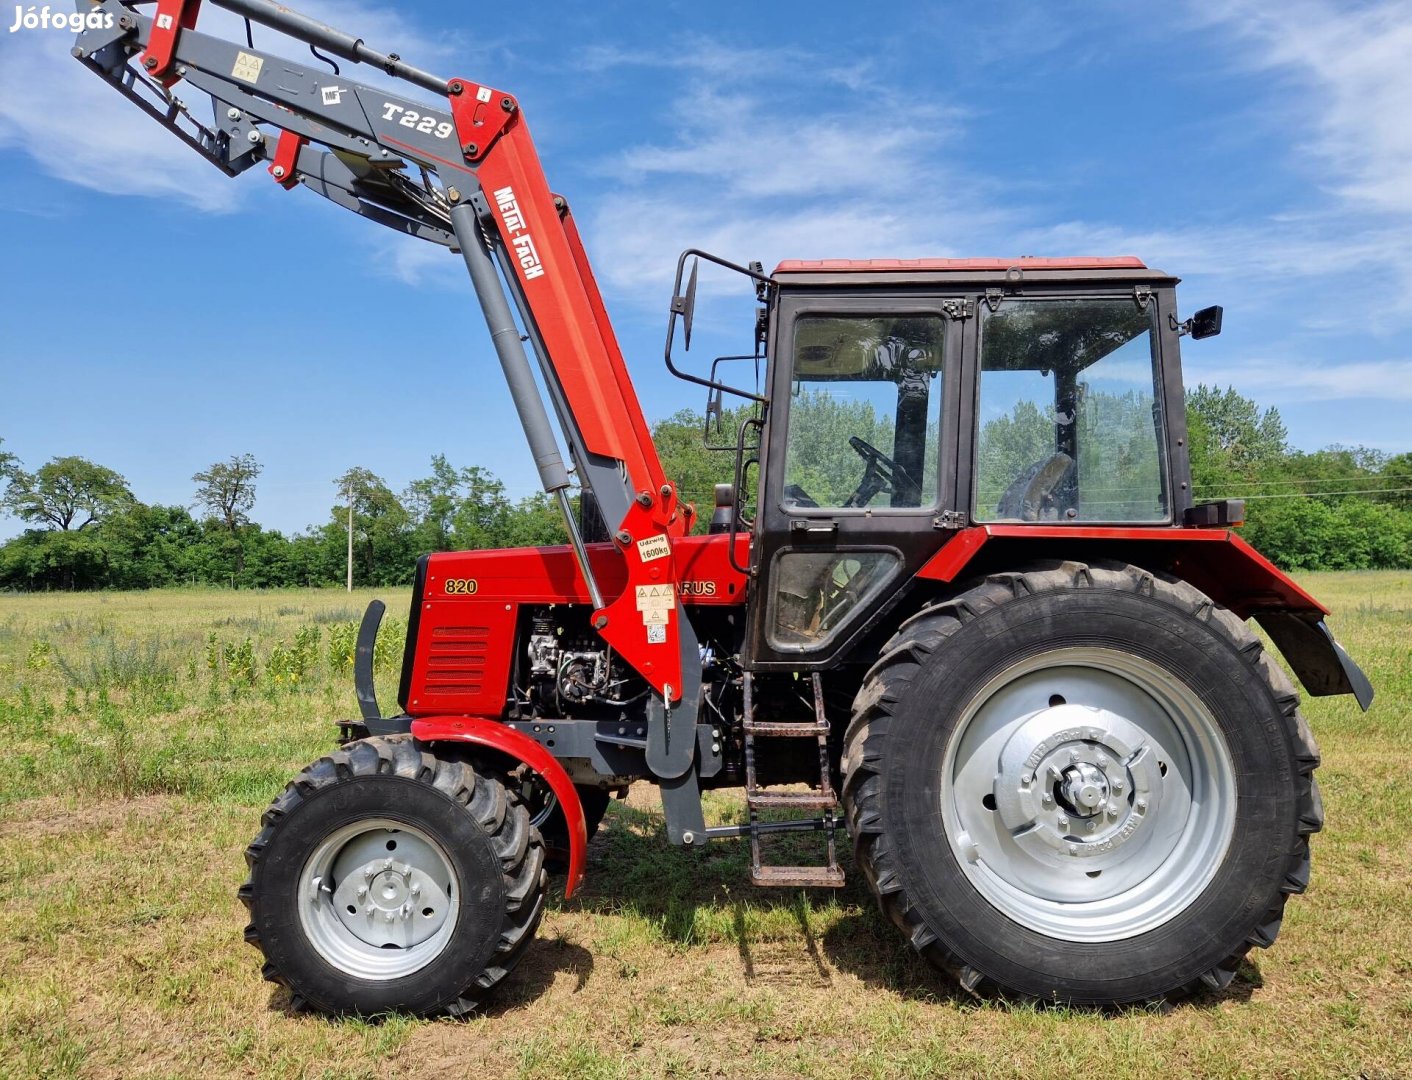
pixel 350 535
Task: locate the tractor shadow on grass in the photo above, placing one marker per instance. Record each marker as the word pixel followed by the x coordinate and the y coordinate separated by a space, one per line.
pixel 784 937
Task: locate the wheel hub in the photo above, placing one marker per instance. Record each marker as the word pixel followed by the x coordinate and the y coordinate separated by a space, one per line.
pixel 1076 782
pixel 1090 821
pixel 378 899
pixel 1085 789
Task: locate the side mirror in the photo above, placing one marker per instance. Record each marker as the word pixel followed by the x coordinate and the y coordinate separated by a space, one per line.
pixel 1205 323
pixel 688 306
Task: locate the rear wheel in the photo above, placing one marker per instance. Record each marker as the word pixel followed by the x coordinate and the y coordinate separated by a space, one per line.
pixel 1083 784
pixel 387 878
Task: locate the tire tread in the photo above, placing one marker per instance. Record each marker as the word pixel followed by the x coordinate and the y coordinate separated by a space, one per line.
pixel 900 661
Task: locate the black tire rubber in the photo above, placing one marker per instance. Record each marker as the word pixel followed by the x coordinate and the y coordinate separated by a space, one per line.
pixel 483 827
pixel 939 659
pixel 556 831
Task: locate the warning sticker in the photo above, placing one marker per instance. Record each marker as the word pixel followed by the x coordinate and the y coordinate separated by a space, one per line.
pixel 657 634
pixel 247 68
pixel 656 603
pixel 654 547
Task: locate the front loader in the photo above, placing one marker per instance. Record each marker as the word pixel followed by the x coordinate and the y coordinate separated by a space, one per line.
pixel 957 602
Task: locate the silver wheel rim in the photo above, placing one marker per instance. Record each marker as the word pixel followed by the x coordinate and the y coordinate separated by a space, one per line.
pixel 377 899
pixel 1089 794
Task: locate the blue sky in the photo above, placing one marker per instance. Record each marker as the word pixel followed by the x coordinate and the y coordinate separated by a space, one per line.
pixel 156 317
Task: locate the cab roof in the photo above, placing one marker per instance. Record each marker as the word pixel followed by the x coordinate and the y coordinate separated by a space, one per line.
pixel 1027 262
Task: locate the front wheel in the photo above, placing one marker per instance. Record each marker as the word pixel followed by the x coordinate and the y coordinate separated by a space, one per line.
pixel 386 878
pixel 1083 784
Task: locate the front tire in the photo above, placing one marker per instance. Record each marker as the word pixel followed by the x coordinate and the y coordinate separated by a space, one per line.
pixel 388 878
pixel 1084 784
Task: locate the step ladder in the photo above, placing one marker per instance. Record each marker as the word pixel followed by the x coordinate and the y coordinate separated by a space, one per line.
pixel 757 799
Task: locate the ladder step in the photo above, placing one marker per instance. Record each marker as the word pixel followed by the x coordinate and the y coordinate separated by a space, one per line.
pixel 797 800
pixel 829 877
pixel 783 729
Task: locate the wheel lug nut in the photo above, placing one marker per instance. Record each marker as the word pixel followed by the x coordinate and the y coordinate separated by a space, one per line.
pixel 389 917
pixel 1102 761
pixel 1141 805
pixel 1092 825
pixel 387 865
pixel 1047 801
pixel 416 890
pixel 1063 822
pixel 1117 785
pixel 362 891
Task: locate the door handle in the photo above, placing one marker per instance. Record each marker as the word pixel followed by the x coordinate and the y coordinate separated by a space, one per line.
pixel 814 526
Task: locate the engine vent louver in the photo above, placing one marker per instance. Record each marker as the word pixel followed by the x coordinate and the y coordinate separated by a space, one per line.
pixel 456 657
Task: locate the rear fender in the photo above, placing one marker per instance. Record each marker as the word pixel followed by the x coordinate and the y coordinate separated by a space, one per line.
pixel 1216 561
pixel 493 735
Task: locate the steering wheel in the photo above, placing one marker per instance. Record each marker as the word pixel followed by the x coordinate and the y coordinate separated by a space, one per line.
pixel 881 473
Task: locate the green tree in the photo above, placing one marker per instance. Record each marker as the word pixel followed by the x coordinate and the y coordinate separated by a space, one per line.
pixel 381 528
pixel 8 464
pixel 66 494
pixel 681 444
pixel 55 559
pixel 151 546
pixel 535 521
pixel 1395 473
pixel 1230 439
pixel 227 490
pixel 432 502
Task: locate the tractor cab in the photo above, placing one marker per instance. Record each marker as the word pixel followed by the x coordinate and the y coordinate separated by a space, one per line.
pixel 908 400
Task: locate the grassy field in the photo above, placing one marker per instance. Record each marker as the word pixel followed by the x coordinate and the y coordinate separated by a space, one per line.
pixel 144 733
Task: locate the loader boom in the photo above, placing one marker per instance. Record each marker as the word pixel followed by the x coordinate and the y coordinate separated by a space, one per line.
pixel 479 189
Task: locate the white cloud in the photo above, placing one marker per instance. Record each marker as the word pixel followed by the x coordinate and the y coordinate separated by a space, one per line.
pixel 1354 61
pixel 1294 380
pixel 760 177
pixel 82 132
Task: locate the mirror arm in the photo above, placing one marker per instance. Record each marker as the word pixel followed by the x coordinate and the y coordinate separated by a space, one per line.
pixel 678 309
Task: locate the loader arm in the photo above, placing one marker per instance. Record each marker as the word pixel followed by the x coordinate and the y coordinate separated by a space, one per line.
pixel 463 173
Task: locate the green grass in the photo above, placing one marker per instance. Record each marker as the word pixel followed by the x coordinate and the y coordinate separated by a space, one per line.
pixel 145 732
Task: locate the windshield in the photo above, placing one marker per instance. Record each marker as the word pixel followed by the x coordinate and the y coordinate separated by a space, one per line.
pixel 864 411
pixel 1070 423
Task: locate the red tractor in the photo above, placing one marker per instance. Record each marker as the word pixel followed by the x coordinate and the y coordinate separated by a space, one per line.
pixel 958 599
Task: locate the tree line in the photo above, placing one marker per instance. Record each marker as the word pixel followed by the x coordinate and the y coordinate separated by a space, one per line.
pixel 1337 508
pixel 87 530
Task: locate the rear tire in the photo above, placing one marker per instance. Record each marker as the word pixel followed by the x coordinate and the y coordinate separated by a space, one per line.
pixel 1081 784
pixel 386 878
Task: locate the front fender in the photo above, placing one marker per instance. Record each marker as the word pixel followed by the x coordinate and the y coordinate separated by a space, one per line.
pixel 496 736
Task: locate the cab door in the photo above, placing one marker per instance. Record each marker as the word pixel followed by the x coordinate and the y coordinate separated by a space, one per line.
pixel 858 482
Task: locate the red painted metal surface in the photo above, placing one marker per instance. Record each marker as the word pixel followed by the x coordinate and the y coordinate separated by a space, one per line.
pixel 495 736
pixel 549 575
pixel 471 601
pixel 286 158
pixel 806 266
pixel 644 622
pixel 481 115
pixel 566 309
pixel 170 18
pixel 465 646
pixel 1216 561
